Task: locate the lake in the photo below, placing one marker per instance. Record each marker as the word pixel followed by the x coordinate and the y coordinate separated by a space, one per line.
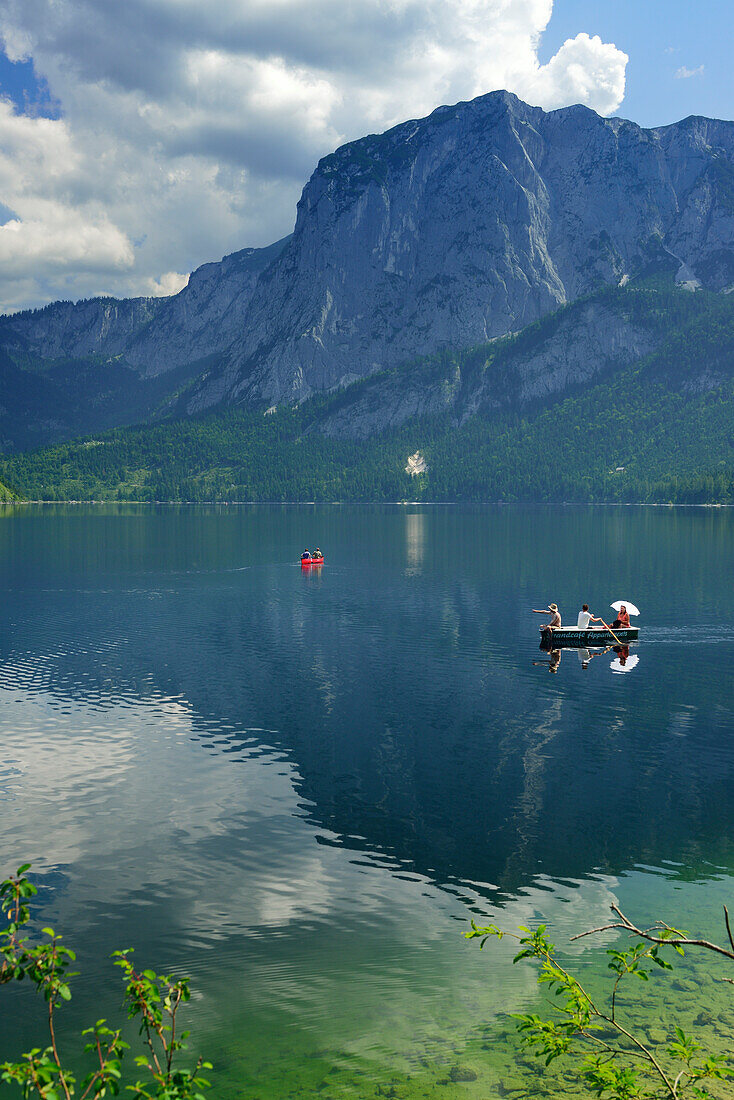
pixel 298 786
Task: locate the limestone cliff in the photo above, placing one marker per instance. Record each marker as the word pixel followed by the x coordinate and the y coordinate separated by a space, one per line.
pixel 470 224
pixel 152 335
pixel 445 232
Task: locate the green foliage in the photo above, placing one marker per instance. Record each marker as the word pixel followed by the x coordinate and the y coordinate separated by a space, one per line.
pixel 153 998
pixel 6 496
pixel 615 1062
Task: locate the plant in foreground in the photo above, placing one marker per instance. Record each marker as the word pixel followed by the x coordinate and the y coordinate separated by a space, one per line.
pixel 154 998
pixel 620 1064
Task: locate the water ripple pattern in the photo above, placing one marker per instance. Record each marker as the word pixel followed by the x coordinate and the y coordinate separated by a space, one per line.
pixel 299 786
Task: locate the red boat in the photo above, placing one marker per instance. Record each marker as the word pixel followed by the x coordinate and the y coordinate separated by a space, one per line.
pixel 311 561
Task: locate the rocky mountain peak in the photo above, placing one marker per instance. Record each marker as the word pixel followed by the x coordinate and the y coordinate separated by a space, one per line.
pixel 443 232
pixel 468 225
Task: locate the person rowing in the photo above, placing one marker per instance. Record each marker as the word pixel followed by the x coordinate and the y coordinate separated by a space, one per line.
pixel 585 617
pixel 317 555
pixel 555 621
pixel 306 555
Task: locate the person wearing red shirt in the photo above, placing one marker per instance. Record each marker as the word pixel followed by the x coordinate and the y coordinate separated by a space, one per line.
pixel 622 619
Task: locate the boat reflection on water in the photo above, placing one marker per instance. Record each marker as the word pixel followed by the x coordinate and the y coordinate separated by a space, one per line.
pixel 623 660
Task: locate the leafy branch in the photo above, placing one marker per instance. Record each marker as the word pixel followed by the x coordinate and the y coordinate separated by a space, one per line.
pixel 627 1067
pixel 155 998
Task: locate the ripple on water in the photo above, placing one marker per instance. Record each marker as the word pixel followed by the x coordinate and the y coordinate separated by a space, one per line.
pixel 298 790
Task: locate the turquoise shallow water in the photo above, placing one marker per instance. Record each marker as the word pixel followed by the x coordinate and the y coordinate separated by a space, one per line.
pixel 298 787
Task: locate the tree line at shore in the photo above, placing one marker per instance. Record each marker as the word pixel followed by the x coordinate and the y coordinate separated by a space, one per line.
pixel 625 440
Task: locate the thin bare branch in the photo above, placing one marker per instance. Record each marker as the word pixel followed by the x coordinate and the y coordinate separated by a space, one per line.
pixel 614 995
pixel 172 1047
pixel 614 1051
pixel 54 1048
pixel 593 931
pixel 626 925
pixel 57 1060
pixel 728 927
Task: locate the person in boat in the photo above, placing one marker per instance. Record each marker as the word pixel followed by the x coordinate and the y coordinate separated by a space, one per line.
pixel 622 620
pixel 555 621
pixel 585 617
pixel 317 555
pixel 306 555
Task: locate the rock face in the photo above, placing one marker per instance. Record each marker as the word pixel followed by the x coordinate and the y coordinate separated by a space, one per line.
pixel 71 369
pixel 468 225
pixel 581 342
pixel 416 464
pixel 77 330
pixel 152 335
pixel 442 233
pixel 206 316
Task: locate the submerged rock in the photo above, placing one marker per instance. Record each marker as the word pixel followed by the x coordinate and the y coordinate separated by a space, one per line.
pixel 461 1073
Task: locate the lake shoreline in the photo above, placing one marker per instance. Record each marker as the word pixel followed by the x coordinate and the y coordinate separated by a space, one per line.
pixel 377 503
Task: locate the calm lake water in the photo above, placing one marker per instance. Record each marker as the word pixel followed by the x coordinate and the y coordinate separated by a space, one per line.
pixel 298 787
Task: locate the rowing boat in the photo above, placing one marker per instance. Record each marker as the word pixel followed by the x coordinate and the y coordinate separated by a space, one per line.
pixel 556 637
pixel 312 561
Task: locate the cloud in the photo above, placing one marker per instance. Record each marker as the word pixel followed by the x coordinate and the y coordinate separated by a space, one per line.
pixel 187 130
pixel 27 244
pixel 170 283
pixel 585 70
pixel 685 74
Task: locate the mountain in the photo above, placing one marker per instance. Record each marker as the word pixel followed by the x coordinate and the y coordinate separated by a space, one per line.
pixel 441 234
pixel 470 425
pixel 153 335
pixel 470 224
pixel 75 367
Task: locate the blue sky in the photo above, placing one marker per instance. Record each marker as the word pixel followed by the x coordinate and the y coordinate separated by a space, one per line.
pixel 661 38
pixel 29 92
pixel 139 140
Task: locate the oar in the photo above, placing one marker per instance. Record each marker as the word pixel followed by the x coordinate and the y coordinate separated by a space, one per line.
pixel 611 632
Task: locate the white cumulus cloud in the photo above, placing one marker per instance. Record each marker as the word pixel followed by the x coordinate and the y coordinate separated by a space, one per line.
pixel 187 130
pixel 584 70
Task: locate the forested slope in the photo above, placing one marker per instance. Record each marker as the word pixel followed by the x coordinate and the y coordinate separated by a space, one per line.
pixel 652 432
pixel 6 495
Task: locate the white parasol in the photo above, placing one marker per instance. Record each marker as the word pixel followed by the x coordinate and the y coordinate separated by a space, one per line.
pixel 629 664
pixel 630 607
